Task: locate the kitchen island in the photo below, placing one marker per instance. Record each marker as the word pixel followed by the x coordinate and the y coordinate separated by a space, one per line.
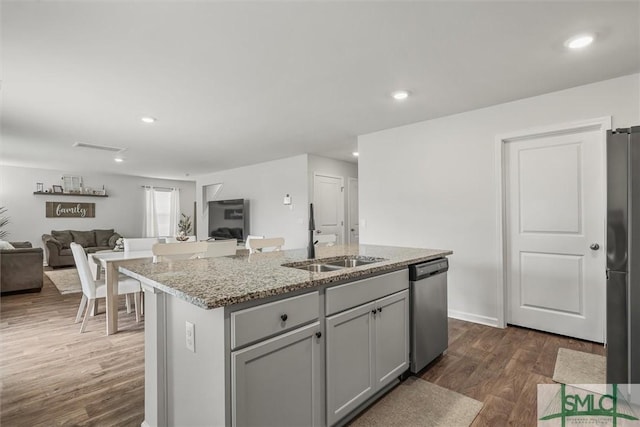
pixel 244 340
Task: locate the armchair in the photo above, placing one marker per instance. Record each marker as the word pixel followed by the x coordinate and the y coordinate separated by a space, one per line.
pixel 21 268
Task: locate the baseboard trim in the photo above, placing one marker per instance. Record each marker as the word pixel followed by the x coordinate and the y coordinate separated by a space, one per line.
pixel 475 318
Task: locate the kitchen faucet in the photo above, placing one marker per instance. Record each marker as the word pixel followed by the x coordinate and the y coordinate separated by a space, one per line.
pixel 311 250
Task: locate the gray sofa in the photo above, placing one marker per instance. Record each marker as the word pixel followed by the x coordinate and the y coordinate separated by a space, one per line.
pixel 58 244
pixel 20 268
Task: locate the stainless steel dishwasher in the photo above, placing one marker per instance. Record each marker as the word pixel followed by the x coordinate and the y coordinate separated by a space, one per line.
pixel 429 321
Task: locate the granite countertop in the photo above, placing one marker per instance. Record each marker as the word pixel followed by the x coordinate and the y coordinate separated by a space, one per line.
pixel 217 282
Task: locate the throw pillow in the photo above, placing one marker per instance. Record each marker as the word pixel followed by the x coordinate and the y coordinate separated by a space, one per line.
pixel 64 237
pixel 86 239
pixel 5 245
pixel 113 239
pixel 102 237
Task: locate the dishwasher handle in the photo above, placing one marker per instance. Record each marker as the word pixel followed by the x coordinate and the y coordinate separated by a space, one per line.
pixel 428 269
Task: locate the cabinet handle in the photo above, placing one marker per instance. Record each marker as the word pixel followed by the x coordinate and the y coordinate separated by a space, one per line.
pixel 284 317
pixel 373 311
pixel 318 334
pixel 379 309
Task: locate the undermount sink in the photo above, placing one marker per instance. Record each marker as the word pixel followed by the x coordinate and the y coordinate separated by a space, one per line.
pixel 333 264
pixel 353 262
pixel 318 268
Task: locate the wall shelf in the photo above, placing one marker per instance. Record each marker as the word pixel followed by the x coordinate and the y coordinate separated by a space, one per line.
pixel 42 193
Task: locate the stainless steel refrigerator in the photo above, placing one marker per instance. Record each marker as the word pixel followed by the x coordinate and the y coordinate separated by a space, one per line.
pixel 623 256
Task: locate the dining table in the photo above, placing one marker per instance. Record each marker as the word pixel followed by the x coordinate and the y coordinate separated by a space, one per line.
pixel 111 261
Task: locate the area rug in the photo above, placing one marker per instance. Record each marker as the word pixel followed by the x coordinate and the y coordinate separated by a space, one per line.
pixel 417 402
pixel 578 367
pixel 67 281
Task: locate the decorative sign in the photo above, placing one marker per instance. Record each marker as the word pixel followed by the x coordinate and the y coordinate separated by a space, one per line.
pixel 70 210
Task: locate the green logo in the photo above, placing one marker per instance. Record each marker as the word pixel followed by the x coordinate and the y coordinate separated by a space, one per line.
pixel 570 402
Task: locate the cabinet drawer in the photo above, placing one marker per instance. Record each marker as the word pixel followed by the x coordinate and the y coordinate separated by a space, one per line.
pixel 352 294
pixel 258 322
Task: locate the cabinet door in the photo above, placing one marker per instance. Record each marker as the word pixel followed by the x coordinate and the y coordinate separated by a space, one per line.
pixel 349 361
pixel 278 382
pixel 391 337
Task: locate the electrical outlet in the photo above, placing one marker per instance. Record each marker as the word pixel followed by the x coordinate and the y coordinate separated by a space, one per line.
pixel 191 336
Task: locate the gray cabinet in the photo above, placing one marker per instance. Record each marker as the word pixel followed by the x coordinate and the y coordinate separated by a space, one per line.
pixel 367 347
pixel 278 382
pixel 391 337
pixel 350 363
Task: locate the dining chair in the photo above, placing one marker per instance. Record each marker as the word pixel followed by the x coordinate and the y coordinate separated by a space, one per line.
pixel 249 238
pixel 257 245
pixel 218 248
pixel 175 251
pixel 326 239
pixel 139 243
pixel 93 289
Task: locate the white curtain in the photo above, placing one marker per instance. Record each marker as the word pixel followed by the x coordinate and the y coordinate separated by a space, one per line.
pixel 174 217
pixel 150 221
pixel 161 212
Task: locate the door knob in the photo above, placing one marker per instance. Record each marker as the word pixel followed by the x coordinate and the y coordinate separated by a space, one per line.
pixel 594 246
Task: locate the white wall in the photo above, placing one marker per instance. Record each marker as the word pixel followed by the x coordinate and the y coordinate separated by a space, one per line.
pixel 434 184
pixel 265 185
pixel 123 210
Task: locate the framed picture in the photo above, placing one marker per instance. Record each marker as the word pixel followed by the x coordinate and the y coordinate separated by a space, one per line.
pixel 57 189
pixel 72 184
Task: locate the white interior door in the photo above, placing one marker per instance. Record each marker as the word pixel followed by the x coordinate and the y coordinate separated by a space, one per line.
pixel 352 223
pixel 555 210
pixel 328 205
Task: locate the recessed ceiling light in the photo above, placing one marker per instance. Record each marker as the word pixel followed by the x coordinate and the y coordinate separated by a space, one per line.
pixel 355 153
pixel 400 95
pixel 579 41
pixel 148 119
pixel 118 159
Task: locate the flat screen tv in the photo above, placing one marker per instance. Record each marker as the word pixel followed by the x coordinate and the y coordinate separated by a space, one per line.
pixel 229 219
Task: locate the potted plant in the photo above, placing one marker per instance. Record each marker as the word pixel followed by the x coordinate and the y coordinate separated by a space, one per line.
pixel 184 228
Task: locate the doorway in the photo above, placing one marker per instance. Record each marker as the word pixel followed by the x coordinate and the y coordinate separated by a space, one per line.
pixel 352 214
pixel 553 208
pixel 328 203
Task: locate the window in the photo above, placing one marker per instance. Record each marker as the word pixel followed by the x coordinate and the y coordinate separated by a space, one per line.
pixel 162 212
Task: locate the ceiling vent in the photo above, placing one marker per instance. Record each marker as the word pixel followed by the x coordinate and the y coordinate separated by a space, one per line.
pixel 98 147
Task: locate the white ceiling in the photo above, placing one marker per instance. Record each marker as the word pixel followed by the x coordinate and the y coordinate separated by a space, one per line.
pixel 239 83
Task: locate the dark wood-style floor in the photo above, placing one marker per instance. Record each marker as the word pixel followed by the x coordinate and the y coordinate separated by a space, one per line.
pixel 50 374
pixel 501 368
